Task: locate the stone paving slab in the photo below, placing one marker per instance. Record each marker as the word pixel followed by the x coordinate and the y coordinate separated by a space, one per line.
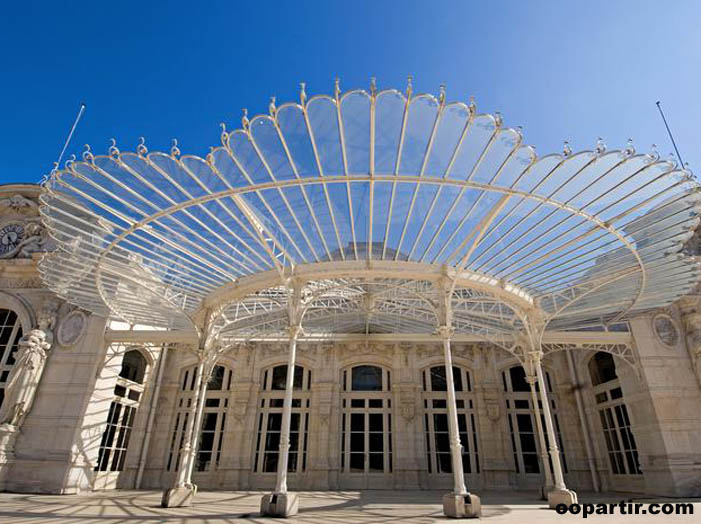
pixel 336 507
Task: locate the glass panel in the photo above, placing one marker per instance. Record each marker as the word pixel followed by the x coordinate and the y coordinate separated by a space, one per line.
pixel 518 379
pixel 366 378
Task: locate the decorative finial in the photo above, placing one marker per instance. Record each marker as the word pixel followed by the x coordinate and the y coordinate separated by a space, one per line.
pixel 498 121
pixel 409 86
pixel 373 86
pixel 174 149
pixel 210 156
pixel 87 154
pixel 600 146
pixel 519 131
pixel 271 107
pixel 630 149
pixel 303 93
pixel 69 162
pixel 244 119
pixel 113 151
pixel 472 106
pixel 337 88
pixel 654 153
pixel 566 149
pixel 141 149
pixel 441 95
pixel 672 159
pixel 224 135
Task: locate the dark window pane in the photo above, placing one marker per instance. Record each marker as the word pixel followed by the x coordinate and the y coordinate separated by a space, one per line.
pixel 216 381
pixel 375 422
pixel 133 366
pixel 518 379
pixel 357 442
pixel 280 377
pixel 366 378
pixel 357 461
pixel 530 463
pixel 376 462
pixel 602 368
pixel 357 422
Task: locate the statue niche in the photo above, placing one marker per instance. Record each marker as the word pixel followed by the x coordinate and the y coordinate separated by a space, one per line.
pixel 24 377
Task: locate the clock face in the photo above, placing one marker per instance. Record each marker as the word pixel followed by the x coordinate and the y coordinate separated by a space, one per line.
pixel 11 235
pixel 665 330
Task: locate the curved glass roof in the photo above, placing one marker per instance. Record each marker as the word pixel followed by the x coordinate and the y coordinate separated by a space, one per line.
pixel 363 180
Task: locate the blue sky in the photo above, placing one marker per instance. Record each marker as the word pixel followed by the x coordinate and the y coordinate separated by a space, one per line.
pixel 562 70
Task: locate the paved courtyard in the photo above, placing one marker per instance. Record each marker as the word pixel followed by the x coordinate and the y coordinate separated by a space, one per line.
pixel 348 507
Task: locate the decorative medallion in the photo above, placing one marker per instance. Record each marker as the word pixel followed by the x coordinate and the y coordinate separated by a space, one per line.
pixel 666 330
pixel 72 328
pixel 11 237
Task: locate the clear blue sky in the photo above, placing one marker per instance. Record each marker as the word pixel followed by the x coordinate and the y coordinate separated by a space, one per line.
pixel 563 70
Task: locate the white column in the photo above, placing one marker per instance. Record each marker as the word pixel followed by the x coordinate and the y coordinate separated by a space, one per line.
pixel 541 436
pixel 197 427
pixel 459 487
pixel 151 416
pixel 554 450
pixel 583 422
pixel 281 484
pixel 185 462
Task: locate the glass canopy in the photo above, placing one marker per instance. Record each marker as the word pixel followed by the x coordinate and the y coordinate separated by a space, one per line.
pixel 371 199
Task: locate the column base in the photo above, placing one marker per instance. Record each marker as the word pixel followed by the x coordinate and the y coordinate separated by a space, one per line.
pixel 279 504
pixel 181 497
pixel 462 506
pixel 561 496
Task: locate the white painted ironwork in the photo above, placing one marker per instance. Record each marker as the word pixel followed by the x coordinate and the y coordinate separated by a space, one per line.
pixel 369 199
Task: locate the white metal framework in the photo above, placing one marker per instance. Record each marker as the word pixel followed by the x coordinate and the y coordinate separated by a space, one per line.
pixel 372 213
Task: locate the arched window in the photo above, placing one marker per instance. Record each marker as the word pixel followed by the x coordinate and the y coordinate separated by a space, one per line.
pixel 522 424
pixel 120 418
pixel 615 423
pixel 366 422
pixel 270 420
pixel 436 420
pixel 211 435
pixel 10 334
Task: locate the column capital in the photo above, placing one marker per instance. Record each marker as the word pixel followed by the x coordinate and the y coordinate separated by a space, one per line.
pixel 445 332
pixel 531 379
pixel 295 332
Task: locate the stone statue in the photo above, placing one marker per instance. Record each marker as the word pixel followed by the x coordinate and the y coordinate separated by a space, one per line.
pixel 24 377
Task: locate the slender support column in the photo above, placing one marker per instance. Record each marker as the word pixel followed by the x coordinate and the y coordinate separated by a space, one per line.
pixel 283 457
pixel 182 493
pixel 560 494
pixel 151 416
pixel 531 379
pixel 460 503
pixel 280 503
pixel 459 487
pixel 583 422
pixel 197 427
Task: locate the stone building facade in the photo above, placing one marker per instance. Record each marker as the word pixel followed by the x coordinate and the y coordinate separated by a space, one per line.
pixel 366 415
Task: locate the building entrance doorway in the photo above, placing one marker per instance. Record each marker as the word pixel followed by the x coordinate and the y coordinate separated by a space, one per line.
pixel 366 429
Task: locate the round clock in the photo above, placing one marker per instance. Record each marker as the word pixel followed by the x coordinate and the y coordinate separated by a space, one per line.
pixel 71 328
pixel 11 236
pixel 666 330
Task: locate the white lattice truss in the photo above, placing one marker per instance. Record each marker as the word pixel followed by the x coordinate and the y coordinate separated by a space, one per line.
pixel 390 213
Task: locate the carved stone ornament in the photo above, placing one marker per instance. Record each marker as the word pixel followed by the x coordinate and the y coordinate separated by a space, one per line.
pixel 408 410
pixel 72 328
pixel 666 330
pixel 18 205
pixel 493 411
pixel 20 239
